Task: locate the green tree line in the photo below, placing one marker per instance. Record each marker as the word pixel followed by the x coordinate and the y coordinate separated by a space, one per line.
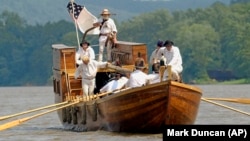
pixel 215 38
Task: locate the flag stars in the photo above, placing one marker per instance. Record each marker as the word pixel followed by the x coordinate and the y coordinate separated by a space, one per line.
pixel 77 9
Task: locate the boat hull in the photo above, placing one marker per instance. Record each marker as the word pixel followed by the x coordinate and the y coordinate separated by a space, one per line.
pixel 142 110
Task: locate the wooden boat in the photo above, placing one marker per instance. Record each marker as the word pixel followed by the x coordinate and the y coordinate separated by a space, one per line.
pixel 143 109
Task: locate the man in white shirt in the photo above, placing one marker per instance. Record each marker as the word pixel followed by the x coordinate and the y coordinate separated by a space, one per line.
pixel 107 36
pixel 156 55
pixel 116 84
pixel 173 59
pixel 155 77
pixel 87 70
pixel 84 50
pixel 138 78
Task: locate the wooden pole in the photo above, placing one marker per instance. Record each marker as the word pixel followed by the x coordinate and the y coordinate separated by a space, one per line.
pixel 224 106
pixel 236 100
pixel 66 75
pixel 119 69
pixel 34 110
pixel 169 70
pixel 73 11
pixel 20 121
pixel 161 72
pixel 85 33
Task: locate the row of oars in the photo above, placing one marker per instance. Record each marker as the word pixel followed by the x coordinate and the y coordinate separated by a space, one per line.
pixel 70 103
pixel 57 106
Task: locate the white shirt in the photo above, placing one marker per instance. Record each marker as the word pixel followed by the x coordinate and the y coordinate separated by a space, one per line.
pixel 114 85
pixel 89 71
pixel 154 78
pixel 156 54
pixel 108 27
pixel 137 79
pixel 173 57
pixel 81 52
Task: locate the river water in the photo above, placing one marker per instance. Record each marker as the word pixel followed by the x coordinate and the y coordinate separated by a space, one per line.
pixel 48 127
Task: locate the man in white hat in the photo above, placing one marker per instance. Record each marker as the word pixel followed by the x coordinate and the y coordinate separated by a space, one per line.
pixel 88 70
pixel 107 36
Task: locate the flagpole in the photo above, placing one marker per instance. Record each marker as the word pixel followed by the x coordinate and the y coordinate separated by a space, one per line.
pixel 78 42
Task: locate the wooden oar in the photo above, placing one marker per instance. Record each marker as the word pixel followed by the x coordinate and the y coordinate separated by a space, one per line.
pixel 224 106
pixel 20 121
pixel 91 97
pixel 237 100
pixel 34 110
pixel 119 69
pixel 45 107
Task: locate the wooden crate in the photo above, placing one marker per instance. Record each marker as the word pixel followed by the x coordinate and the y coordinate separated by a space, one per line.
pixel 59 51
pixel 129 51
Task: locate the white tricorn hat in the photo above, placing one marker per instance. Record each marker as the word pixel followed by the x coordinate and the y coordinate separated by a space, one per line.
pixel 105 12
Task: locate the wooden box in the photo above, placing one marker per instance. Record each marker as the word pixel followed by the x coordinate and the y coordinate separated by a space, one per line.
pixel 63 57
pixel 128 52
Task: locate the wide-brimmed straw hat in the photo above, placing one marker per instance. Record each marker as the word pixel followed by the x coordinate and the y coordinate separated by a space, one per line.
pixel 105 12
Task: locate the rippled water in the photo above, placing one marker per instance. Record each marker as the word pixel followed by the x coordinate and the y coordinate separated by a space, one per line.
pixel 48 127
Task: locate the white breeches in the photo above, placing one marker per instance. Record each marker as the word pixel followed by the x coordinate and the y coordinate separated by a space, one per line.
pixel 88 87
pixel 101 50
pixel 176 70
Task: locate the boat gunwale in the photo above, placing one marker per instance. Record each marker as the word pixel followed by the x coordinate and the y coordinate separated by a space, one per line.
pixel 186 86
pixel 133 90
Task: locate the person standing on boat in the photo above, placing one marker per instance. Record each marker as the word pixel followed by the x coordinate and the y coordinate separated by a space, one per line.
pixel 173 59
pixel 155 57
pixel 107 36
pixel 88 70
pixel 85 49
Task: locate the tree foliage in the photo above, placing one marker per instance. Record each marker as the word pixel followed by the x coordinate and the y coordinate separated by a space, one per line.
pixel 215 38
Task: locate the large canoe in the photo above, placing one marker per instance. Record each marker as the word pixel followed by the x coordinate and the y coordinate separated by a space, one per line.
pixel 143 109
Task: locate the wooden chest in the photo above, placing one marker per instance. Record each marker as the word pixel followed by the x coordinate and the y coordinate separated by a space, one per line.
pixel 63 57
pixel 128 52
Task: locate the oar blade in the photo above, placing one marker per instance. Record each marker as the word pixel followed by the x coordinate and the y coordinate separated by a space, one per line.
pixel 13 123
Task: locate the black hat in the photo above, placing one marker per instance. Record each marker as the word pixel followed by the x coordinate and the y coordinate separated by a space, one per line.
pixel 168 42
pixel 84 42
pixel 160 43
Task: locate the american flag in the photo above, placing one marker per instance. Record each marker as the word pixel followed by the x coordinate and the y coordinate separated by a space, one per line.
pixel 77 9
pixel 83 18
